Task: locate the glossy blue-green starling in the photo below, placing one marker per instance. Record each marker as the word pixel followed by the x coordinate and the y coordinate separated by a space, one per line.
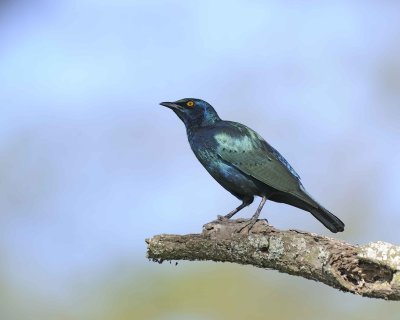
pixel 244 163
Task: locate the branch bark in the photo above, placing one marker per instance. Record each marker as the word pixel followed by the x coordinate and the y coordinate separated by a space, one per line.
pixel 371 270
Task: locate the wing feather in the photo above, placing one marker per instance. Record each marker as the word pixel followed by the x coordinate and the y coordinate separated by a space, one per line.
pixel 251 154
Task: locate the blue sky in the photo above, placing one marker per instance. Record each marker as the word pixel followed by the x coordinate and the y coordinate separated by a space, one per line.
pixel 91 165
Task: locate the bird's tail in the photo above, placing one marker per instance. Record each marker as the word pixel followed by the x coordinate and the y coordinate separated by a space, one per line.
pixel 304 201
pixel 328 219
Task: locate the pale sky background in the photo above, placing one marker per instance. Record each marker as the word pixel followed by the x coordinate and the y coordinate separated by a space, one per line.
pixel 90 165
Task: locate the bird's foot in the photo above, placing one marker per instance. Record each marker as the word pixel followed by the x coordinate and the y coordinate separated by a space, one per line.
pixel 226 218
pixel 247 226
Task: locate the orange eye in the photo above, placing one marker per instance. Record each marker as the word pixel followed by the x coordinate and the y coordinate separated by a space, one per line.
pixel 190 104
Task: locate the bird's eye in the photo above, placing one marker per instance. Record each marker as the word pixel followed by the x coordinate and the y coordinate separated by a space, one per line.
pixel 190 104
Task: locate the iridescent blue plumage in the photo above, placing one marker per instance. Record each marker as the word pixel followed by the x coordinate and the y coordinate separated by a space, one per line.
pixel 244 163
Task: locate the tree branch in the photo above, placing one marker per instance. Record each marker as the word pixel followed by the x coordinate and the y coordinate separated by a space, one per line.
pixel 372 270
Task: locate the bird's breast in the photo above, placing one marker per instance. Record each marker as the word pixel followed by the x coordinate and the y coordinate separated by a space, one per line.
pixel 227 175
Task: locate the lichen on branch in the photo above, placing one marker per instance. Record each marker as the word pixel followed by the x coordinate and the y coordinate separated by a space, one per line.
pixel 372 270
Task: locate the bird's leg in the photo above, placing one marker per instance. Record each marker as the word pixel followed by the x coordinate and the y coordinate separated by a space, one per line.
pixel 255 216
pixel 244 204
pixel 233 212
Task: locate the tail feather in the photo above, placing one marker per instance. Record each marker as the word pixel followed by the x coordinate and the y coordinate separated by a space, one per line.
pixel 328 219
pixel 304 201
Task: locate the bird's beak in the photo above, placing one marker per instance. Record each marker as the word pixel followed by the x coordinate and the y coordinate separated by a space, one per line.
pixel 170 105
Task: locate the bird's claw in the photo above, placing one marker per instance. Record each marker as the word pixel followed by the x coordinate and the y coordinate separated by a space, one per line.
pixel 249 225
pixel 222 218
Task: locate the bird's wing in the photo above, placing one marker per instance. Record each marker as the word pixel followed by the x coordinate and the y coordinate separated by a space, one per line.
pixel 248 152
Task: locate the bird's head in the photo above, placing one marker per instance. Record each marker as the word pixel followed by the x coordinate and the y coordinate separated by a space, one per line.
pixel 193 112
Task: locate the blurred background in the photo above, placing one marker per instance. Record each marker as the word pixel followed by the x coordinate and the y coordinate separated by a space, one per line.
pixel 90 165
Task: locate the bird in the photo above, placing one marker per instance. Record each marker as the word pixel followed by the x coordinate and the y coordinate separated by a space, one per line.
pixel 243 163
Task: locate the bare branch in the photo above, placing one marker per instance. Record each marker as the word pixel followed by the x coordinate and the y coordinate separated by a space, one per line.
pixel 372 270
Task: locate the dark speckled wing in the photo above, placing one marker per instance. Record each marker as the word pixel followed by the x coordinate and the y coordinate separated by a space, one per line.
pixel 246 150
pixel 263 167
